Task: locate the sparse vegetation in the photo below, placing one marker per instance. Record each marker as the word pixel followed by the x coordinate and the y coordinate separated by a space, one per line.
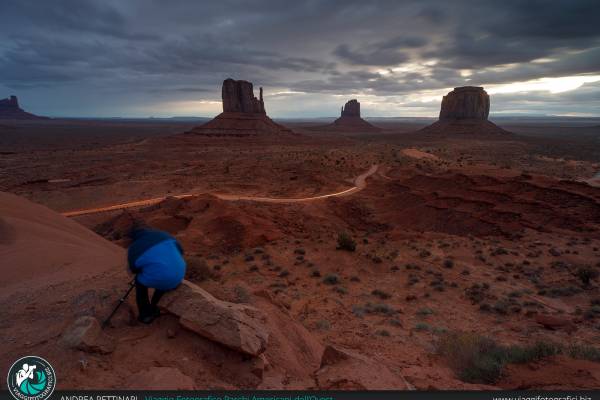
pixel 586 275
pixel 331 279
pixel 381 294
pixel 479 359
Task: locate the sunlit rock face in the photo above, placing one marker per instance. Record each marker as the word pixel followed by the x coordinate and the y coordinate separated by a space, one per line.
pixel 467 102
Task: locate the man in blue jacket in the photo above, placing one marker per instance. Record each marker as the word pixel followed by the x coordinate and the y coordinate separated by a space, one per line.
pixel 156 258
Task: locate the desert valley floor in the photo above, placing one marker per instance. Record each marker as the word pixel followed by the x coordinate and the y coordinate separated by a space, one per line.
pixel 457 237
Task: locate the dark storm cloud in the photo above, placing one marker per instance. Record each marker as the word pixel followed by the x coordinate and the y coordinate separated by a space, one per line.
pixel 183 49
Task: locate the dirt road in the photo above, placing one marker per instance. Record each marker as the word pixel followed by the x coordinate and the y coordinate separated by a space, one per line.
pixel 360 182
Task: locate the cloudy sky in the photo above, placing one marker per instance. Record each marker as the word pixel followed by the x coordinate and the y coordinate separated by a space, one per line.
pixel 168 58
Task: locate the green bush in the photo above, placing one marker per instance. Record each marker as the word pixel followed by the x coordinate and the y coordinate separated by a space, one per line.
pixel 479 359
pixel 346 242
pixel 331 279
pixel 587 274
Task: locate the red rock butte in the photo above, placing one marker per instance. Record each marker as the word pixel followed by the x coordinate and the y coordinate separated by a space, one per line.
pixel 243 114
pixel 465 110
pixel 350 120
pixel 9 109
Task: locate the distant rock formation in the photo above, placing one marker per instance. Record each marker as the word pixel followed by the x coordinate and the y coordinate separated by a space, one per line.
pixel 465 110
pixel 467 102
pixel 350 120
pixel 243 114
pixel 238 96
pixel 351 109
pixel 9 109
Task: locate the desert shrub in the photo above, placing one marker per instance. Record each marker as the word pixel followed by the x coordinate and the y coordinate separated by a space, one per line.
pixel 358 311
pixel 331 279
pixel 315 273
pixel 340 290
pixel 562 291
pixel 241 294
pixel 345 242
pixel 423 312
pixel 323 325
pixel 587 274
pixel 382 332
pixel 197 269
pixel 381 294
pixel 535 352
pixel 474 358
pixel 584 352
pixel 448 263
pixel 421 326
pixel 479 359
pixel 379 308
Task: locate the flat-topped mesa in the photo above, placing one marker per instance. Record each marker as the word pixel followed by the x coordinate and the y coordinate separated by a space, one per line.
pixel 9 109
pixel 465 110
pixel 238 96
pixel 351 109
pixel 467 102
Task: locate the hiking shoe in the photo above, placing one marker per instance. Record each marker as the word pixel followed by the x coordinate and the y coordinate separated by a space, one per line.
pixel 147 319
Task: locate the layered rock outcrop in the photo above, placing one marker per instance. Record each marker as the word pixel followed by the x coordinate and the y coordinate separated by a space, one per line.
pixel 243 114
pixel 465 110
pixel 467 102
pixel 237 326
pixel 9 109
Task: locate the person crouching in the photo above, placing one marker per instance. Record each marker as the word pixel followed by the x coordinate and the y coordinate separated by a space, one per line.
pixel 156 258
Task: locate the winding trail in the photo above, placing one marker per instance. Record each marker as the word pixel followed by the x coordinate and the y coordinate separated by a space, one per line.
pixel 360 182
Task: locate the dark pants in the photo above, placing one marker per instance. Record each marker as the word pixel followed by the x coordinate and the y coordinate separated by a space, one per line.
pixel 146 307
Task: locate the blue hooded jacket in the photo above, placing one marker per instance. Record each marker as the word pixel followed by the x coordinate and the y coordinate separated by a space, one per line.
pixel 157 259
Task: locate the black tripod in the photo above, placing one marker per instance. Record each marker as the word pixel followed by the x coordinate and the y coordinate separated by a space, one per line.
pixel 121 301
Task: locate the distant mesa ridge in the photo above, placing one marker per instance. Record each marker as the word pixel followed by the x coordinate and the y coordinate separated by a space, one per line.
pixel 465 110
pixel 9 109
pixel 243 114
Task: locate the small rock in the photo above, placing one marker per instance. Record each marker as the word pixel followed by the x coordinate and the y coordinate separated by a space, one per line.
pixel 237 326
pixel 86 334
pixel 553 322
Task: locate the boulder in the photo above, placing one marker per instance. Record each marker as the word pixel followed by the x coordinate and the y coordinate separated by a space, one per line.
pixel 467 102
pixel 86 334
pixel 239 327
pixel 238 97
pixel 554 322
pixel 160 378
pixel 343 369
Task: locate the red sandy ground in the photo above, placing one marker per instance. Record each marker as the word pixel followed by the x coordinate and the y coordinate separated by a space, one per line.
pixel 518 223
